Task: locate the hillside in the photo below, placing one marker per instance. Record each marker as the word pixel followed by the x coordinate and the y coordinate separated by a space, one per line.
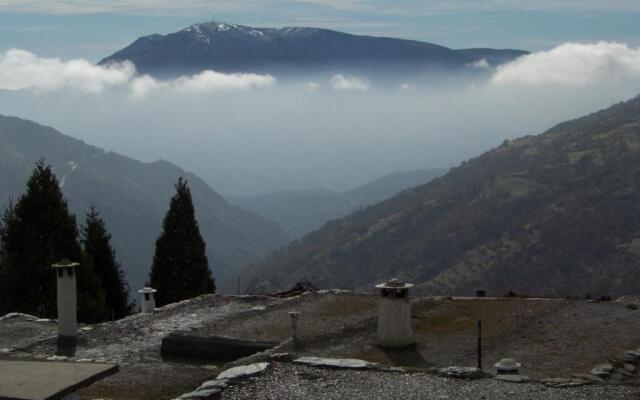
pixel 236 48
pixel 553 214
pixel 132 197
pixel 299 212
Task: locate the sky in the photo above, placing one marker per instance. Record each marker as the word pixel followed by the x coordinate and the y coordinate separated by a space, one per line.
pixel 248 134
pixel 92 29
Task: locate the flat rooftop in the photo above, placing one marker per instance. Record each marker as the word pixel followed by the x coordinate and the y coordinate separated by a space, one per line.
pixel 550 337
pixel 44 380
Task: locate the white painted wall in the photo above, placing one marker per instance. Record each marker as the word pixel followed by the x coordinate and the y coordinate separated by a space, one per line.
pixel 67 302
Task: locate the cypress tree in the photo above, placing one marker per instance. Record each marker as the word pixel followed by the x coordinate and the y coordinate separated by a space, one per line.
pixel 97 246
pixel 180 267
pixel 38 231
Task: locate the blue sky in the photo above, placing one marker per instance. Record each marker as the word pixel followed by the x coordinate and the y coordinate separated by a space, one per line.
pixel 92 29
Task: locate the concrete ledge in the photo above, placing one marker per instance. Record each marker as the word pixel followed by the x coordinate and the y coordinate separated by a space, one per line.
pixel 40 380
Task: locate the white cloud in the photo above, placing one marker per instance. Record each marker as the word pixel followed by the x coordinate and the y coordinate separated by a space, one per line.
pixel 20 69
pixel 308 86
pixel 572 64
pixel 340 82
pixel 140 87
pixel 480 64
pixel 386 7
pixel 211 81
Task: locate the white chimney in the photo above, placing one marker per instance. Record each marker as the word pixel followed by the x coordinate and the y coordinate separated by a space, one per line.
pixel 67 298
pixel 394 315
pixel 147 299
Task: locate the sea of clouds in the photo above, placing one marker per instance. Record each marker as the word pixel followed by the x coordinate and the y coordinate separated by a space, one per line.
pixel 253 133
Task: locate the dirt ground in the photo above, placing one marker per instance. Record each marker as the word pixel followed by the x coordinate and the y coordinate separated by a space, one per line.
pixel 550 337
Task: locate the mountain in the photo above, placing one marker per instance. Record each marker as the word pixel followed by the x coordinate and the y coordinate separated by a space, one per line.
pixel 554 214
pixel 299 212
pixel 236 48
pixel 132 197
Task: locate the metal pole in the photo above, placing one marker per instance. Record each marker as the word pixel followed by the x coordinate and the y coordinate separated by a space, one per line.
pixel 479 342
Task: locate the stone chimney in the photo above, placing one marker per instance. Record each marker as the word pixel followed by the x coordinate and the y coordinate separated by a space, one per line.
pixel 147 299
pixel 67 298
pixel 394 317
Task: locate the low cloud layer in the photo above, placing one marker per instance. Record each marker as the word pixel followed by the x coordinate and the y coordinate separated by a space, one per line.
pixel 340 82
pixel 572 64
pixel 23 70
pixel 20 69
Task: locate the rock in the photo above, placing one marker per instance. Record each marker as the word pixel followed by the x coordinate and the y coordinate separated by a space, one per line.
pixel 629 367
pixel 602 370
pixel 243 371
pixel 335 362
pixel 258 308
pixel 462 372
pixel 512 378
pixel 616 377
pixel 589 377
pixel 623 372
pixel 57 358
pixel 631 302
pixel 281 356
pixel 18 315
pixel 565 382
pixel 201 394
pixel 213 384
pixel 632 357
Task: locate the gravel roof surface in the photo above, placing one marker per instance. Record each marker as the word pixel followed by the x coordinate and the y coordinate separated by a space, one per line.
pixel 284 381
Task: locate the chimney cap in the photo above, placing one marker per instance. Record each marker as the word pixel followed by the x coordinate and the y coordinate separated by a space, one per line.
pixel 147 290
pixel 395 284
pixel 65 263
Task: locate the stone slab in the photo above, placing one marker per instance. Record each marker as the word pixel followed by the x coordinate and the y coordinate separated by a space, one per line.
pixel 335 362
pixel 243 371
pixel 40 380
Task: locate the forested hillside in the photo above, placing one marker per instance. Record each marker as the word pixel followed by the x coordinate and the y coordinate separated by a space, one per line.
pixel 132 197
pixel 552 214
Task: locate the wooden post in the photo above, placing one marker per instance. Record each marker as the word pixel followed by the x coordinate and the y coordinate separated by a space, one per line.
pixel 479 343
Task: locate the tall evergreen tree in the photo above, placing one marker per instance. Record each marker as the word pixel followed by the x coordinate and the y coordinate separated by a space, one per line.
pixel 180 267
pixel 38 231
pixel 97 246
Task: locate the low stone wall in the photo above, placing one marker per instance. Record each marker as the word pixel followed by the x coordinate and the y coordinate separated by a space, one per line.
pixel 215 348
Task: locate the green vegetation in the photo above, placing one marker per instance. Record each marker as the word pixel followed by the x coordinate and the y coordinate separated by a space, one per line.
pixel 97 246
pixel 37 232
pixel 180 267
pixel 555 214
pixel 132 197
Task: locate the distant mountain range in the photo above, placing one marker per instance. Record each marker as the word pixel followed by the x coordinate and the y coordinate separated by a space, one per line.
pixel 555 214
pixel 132 197
pixel 236 48
pixel 299 212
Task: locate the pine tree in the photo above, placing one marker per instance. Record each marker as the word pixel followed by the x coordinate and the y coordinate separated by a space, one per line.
pixel 97 246
pixel 38 231
pixel 180 267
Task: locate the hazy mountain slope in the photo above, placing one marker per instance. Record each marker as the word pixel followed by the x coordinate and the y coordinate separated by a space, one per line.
pixel 230 47
pixel 299 212
pixel 554 214
pixel 132 197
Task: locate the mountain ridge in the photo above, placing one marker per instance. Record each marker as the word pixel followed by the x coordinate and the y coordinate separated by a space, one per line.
pixel 554 214
pixel 132 197
pixel 238 48
pixel 299 212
